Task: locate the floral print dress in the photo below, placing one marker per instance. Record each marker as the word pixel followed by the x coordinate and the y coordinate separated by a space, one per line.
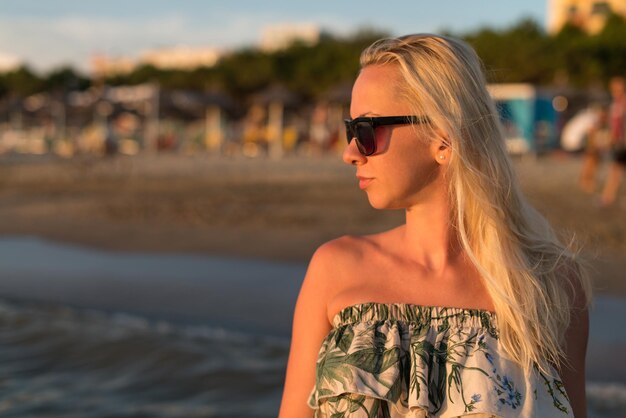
pixel 404 360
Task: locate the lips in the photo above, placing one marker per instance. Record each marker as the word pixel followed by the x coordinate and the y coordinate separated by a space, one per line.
pixel 364 181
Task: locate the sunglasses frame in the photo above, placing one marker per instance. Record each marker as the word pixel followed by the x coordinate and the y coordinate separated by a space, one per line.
pixel 374 122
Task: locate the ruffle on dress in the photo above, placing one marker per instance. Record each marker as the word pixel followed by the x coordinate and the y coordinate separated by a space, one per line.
pixel 403 360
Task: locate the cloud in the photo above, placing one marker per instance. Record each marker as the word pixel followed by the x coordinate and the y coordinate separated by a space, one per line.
pixel 8 62
pixel 46 43
pixel 49 42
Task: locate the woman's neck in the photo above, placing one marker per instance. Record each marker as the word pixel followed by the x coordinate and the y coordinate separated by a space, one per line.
pixel 429 237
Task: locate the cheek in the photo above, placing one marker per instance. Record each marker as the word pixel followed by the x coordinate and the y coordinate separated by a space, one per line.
pixel 411 168
pixel 382 134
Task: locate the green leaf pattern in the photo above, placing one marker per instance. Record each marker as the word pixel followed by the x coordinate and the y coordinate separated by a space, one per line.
pixel 403 360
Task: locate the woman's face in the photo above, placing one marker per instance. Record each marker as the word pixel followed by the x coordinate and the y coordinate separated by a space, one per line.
pixel 405 170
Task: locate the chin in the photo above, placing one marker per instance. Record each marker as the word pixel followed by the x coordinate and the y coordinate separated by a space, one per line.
pixel 379 202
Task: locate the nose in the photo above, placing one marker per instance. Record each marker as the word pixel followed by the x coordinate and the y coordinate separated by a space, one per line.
pixel 351 154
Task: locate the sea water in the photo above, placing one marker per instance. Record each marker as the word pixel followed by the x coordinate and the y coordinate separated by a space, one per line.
pixel 86 333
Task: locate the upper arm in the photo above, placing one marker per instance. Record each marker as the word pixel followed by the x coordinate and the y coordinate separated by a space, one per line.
pixel 310 326
pixel 572 371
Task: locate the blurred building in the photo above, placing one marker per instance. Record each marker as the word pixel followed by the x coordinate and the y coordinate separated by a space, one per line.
pixel 181 57
pixel 172 58
pixel 8 62
pixel 276 37
pixel 590 15
pixel 105 66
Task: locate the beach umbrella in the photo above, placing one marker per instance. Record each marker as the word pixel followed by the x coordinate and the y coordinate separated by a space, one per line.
pixel 338 98
pixel 276 97
pixel 276 93
pixel 208 105
pixel 194 103
pixel 146 96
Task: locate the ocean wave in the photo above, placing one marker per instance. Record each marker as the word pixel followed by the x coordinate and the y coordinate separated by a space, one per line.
pixel 57 360
pixel 606 399
pixel 120 324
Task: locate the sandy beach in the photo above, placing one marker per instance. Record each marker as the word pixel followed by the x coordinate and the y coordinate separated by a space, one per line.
pixel 258 208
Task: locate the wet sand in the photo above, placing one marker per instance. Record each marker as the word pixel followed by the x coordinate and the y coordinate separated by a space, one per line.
pixel 257 208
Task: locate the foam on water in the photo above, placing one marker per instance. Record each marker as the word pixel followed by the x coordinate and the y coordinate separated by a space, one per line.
pixel 606 399
pixel 57 360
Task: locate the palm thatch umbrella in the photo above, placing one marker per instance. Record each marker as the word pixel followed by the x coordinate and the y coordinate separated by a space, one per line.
pixel 209 105
pixel 276 97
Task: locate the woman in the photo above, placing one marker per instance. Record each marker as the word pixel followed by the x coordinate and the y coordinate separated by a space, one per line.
pixel 617 122
pixel 598 138
pixel 472 306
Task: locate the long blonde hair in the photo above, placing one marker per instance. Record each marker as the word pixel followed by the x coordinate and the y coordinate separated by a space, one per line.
pixel 530 275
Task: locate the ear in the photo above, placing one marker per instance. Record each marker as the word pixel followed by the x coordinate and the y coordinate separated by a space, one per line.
pixel 440 147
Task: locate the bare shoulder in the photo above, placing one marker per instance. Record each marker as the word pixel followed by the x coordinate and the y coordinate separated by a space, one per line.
pixel 345 245
pixel 311 324
pixel 334 263
pixel 340 257
pixel 340 251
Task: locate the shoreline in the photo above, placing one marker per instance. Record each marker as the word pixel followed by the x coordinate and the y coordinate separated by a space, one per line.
pixel 279 210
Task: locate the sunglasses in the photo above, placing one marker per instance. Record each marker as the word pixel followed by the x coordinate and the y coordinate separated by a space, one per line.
pixel 364 129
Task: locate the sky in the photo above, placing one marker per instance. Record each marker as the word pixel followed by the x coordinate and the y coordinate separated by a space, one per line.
pixel 47 34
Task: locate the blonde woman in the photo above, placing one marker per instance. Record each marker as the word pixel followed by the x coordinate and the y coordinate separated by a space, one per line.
pixel 473 306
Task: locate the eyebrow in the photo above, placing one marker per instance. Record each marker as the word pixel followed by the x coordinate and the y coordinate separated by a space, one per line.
pixel 362 115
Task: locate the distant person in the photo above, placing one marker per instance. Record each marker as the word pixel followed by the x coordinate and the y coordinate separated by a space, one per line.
pixel 473 306
pixel 111 144
pixel 597 141
pixel 618 142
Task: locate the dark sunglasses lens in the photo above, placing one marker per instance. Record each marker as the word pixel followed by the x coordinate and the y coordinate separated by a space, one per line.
pixel 365 138
pixel 349 132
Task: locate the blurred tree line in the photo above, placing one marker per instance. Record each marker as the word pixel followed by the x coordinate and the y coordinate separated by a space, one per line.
pixel 521 53
pixel 525 53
